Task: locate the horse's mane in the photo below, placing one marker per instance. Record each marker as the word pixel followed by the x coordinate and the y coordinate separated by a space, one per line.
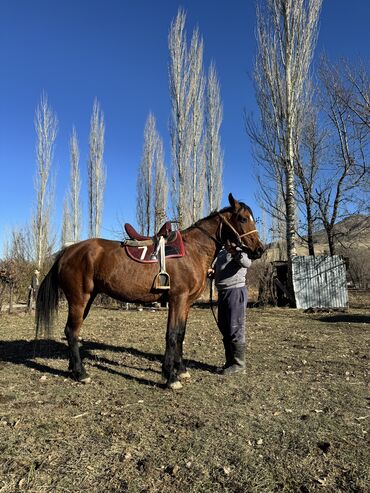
pixel 215 212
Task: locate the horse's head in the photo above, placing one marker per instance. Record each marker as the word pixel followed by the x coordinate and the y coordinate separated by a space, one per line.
pixel 240 228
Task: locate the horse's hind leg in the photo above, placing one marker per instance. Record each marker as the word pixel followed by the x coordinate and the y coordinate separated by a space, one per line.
pixel 76 315
pixel 176 324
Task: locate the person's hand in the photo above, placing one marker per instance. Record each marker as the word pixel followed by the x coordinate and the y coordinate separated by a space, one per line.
pixel 210 273
pixel 230 247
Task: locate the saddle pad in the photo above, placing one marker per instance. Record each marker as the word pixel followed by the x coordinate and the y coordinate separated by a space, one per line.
pixel 143 253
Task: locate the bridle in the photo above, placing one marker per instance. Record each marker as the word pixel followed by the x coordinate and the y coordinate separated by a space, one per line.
pixel 218 239
pixel 238 236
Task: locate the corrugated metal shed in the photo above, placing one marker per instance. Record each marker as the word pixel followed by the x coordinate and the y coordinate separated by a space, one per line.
pixel 320 282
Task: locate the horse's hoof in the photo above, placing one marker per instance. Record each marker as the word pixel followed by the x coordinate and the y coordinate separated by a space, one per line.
pixel 184 376
pixel 175 385
pixel 85 380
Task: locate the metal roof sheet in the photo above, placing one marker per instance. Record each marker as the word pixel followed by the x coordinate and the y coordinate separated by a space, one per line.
pixel 320 282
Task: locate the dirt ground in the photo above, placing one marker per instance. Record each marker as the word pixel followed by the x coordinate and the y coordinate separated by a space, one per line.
pixel 298 421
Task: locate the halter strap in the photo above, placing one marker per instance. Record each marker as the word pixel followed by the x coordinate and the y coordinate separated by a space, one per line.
pixel 224 220
pixel 217 237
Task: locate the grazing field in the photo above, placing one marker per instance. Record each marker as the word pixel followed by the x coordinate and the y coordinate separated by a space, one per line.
pixel 298 421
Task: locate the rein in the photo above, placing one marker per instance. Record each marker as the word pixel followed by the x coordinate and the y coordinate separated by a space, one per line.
pixel 208 234
pixel 211 301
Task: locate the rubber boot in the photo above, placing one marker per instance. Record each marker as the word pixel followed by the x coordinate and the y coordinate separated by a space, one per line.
pixel 238 360
pixel 228 355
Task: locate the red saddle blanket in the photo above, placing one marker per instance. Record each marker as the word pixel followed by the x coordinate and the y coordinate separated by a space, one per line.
pixel 175 248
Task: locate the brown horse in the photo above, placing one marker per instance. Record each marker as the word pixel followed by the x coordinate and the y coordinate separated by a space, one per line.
pixel 97 266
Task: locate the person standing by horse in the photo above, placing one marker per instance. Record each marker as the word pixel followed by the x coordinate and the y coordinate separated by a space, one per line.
pixel 230 272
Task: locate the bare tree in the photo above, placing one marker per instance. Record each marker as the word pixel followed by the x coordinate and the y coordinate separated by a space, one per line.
pixel 186 81
pixel 352 86
pixel 66 235
pixel 354 91
pixel 286 37
pixel 18 247
pixel 338 190
pixel 161 188
pixel 18 263
pixel 96 170
pixel 196 191
pixel 145 178
pixel 46 125
pixel 214 155
pixel 359 266
pixel 180 103
pixel 75 188
pixel 278 229
pixel 151 182
pixel 308 165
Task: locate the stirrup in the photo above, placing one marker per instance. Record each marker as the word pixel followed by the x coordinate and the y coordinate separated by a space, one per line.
pixel 162 280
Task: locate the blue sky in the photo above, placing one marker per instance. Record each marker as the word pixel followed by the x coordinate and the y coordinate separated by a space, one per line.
pixel 116 50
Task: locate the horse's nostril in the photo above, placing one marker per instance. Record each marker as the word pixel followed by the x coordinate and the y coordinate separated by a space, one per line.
pixel 260 251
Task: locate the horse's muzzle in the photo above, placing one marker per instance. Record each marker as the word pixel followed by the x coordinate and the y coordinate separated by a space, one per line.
pixel 257 253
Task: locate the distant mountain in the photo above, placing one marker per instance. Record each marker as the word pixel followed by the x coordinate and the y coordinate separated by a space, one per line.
pixel 352 231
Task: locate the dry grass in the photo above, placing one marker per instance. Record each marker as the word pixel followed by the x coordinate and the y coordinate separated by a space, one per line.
pixel 296 422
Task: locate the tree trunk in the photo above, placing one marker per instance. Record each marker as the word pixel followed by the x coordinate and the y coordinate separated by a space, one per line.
pixel 290 212
pixel 331 241
pixel 310 243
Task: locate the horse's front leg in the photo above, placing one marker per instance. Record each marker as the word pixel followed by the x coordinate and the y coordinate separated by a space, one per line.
pixel 180 366
pixel 173 365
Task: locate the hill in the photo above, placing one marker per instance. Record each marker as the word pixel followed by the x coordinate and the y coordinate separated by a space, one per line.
pixel 353 231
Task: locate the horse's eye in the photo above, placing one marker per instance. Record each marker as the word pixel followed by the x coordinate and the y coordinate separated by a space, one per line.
pixel 243 220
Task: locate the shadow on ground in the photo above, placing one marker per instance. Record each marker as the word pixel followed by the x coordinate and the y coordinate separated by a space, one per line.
pixel 22 352
pixel 346 318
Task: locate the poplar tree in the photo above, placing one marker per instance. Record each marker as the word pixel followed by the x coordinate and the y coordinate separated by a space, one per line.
pixel 74 188
pixel 186 82
pixel 46 126
pixel 214 155
pixel 197 179
pixel 96 170
pixel 286 38
pixel 151 182
pixel 66 235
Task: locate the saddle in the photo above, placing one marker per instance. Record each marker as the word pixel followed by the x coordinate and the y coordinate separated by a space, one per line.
pixel 165 231
pixel 145 248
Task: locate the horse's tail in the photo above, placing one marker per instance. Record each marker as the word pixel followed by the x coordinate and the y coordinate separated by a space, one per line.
pixel 47 300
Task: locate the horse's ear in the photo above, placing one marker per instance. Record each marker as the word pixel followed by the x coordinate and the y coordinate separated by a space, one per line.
pixel 234 203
